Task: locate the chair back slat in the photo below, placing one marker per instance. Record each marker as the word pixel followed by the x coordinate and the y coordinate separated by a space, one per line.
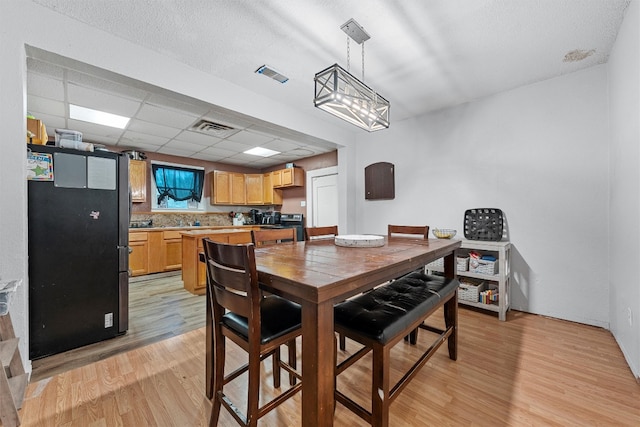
pixel 396 230
pixel 320 232
pixel 273 236
pixel 232 276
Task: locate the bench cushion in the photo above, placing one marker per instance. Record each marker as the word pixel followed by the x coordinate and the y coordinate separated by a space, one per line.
pixel 390 309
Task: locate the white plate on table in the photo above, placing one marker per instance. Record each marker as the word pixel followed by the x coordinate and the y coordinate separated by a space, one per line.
pixel 359 241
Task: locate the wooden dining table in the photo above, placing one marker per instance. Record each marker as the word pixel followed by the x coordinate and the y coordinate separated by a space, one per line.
pixel 318 274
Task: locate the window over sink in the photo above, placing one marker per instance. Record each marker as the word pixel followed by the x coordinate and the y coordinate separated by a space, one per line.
pixel 176 187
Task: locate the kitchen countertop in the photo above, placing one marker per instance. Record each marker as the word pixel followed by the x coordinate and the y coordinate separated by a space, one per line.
pixel 194 233
pixel 195 228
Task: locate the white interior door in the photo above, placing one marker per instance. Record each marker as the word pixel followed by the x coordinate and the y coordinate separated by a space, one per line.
pixel 324 206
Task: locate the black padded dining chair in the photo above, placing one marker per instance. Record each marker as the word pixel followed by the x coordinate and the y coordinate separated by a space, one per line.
pixel 258 324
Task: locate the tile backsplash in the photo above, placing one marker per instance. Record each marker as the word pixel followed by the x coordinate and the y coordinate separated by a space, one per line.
pixel 183 219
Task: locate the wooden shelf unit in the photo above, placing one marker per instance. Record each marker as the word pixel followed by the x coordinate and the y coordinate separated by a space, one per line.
pixel 502 252
pixel 13 379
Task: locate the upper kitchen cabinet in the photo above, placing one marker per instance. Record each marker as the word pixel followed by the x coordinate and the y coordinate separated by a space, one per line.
pixel 138 180
pixel 290 177
pixel 228 188
pixel 270 196
pixel 254 189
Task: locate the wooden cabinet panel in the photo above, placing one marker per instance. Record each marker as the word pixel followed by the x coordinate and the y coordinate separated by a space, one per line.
pixel 271 196
pixel 156 255
pixel 254 189
pixel 138 180
pixel 194 273
pixel 276 178
pixel 172 251
pixel 138 258
pixel 221 188
pixel 238 189
pixel 228 188
pixel 231 188
pixel 291 177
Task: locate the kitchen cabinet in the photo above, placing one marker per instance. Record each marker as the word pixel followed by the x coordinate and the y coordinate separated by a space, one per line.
pixel 271 196
pixel 155 251
pixel 155 256
pixel 171 250
pixel 194 273
pixel 290 177
pixel 228 188
pixel 501 280
pixel 254 189
pixel 139 256
pixel 231 188
pixel 138 180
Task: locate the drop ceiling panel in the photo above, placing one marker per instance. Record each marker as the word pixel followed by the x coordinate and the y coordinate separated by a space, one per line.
pixel 94 129
pixel 175 151
pixel 105 86
pixel 185 146
pixel 144 138
pixel 250 138
pixel 233 146
pixel 37 104
pixel 90 98
pixel 164 116
pixel 45 87
pixel 198 138
pixel 152 128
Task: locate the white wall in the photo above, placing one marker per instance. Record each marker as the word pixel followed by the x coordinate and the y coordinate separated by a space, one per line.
pixel 27 24
pixel 624 221
pixel 539 153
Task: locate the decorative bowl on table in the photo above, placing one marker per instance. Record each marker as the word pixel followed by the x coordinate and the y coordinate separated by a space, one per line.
pixel 444 233
pixel 359 241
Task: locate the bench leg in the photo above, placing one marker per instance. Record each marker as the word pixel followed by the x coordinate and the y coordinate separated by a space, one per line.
pixel 451 321
pixel 380 401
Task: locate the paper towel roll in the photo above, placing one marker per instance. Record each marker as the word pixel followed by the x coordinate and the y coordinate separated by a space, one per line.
pixel 76 145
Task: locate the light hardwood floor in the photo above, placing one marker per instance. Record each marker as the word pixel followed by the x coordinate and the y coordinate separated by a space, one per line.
pixel 159 308
pixel 528 371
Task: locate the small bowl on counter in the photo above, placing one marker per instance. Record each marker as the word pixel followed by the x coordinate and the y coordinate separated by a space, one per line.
pixel 444 233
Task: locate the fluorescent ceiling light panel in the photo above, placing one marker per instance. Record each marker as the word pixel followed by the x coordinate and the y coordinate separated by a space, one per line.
pixel 98 117
pixel 262 152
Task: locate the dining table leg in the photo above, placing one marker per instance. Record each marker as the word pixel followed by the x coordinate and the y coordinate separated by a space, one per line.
pixel 318 368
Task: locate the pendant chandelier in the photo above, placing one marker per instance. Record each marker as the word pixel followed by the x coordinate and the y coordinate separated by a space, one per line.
pixel 340 93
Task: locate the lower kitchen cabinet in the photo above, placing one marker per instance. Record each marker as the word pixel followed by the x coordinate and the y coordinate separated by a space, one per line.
pixel 172 250
pixel 139 256
pixel 154 252
pixel 194 273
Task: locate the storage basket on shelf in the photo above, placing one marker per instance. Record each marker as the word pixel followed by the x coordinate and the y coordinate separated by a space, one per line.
pixel 483 266
pixel 462 264
pixel 469 289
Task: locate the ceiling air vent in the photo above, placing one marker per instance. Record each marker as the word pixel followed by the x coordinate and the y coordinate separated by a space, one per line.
pixel 212 128
pixel 270 72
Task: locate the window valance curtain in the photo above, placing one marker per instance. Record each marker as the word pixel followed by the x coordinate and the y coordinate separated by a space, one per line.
pixel 178 183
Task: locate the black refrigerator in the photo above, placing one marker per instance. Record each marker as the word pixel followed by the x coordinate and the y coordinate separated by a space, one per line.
pixel 78 208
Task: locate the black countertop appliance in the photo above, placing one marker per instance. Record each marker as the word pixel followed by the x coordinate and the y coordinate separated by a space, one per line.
pixel 78 216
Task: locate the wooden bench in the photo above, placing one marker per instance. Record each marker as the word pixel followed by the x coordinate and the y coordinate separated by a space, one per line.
pixel 383 317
